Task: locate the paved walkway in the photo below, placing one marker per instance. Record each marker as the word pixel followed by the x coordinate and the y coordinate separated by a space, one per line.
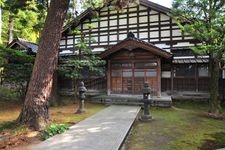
pixel 105 130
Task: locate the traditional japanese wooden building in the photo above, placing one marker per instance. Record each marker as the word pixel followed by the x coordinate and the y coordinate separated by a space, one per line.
pixel 24 46
pixel 141 43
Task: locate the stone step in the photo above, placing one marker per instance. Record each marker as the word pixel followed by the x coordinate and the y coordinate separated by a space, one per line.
pixel 164 101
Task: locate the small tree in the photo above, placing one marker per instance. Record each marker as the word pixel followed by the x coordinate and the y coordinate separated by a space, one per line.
pixel 85 59
pixel 204 20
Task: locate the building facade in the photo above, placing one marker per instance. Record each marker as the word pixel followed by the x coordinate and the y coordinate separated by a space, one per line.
pixel 141 43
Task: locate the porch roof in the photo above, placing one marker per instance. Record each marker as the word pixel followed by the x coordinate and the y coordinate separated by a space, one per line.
pixel 190 61
pixel 131 43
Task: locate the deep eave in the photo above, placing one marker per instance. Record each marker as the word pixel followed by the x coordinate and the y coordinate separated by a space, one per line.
pixel 155 6
pixel 134 43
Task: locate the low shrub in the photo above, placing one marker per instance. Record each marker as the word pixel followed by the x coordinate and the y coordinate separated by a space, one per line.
pixel 8 94
pixel 54 129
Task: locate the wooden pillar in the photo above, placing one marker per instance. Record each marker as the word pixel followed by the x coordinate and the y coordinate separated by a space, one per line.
pixel 133 78
pixel 172 78
pixel 109 78
pixel 196 78
pixel 159 77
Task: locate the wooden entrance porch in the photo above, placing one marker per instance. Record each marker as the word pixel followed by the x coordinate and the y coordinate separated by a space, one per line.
pixel 131 63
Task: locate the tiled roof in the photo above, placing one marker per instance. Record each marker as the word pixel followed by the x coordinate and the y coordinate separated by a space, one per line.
pixel 26 44
pixel 190 60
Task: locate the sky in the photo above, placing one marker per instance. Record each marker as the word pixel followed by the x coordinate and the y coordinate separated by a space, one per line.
pixel 167 3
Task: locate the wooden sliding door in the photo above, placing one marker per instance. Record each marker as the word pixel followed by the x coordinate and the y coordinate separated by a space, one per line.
pixel 129 77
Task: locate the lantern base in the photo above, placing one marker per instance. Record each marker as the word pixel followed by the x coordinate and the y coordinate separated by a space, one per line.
pixel 145 118
pixel 79 111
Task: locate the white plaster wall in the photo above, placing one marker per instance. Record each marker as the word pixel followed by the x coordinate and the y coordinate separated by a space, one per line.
pixel 165 33
pixel 162 46
pixel 113 37
pixel 143 19
pixel 70 41
pixel 180 44
pixel 164 17
pixel 143 35
pixel 153 12
pixel 143 13
pixel 103 23
pixel 142 7
pixel 113 12
pixel 99 49
pixel 132 20
pixel 154 18
pixel 132 9
pixel 103 38
pixel 122 36
pixel 62 42
pixel 154 34
pixel 176 32
pixel 113 22
pixel 122 21
pixel 66 52
pixel 133 15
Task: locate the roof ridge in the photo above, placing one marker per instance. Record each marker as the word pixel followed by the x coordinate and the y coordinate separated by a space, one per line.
pixel 24 40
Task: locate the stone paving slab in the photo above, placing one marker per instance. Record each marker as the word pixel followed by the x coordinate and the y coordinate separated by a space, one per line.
pixel 105 130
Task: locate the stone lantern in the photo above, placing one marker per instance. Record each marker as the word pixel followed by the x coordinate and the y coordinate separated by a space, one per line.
pixel 147 101
pixel 82 89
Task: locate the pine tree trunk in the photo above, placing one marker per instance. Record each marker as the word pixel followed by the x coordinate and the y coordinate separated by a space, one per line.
pixel 214 102
pixel 35 109
pixel 54 98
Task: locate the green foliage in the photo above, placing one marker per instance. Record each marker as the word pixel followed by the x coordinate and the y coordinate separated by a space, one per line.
pixel 8 125
pixel 17 68
pixel 54 129
pixel 8 94
pixel 13 128
pixel 84 60
pixel 28 19
pixel 93 3
pixel 2 3
pixel 204 20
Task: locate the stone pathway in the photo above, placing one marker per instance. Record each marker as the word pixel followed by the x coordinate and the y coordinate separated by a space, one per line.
pixel 105 130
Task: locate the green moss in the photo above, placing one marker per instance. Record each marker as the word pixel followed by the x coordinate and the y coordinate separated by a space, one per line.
pixel 13 127
pixel 179 127
pixel 66 114
pixel 60 114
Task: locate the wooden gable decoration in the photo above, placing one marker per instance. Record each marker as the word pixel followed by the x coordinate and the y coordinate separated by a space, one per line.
pixel 131 43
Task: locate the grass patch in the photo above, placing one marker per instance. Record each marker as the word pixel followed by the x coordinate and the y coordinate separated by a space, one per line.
pixel 179 127
pixel 15 135
pixel 66 114
pixel 9 111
